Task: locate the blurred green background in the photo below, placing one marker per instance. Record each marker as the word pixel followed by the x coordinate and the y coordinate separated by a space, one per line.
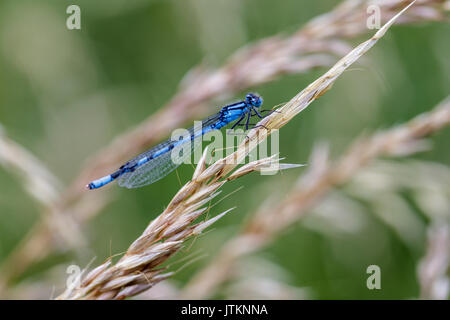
pixel 64 94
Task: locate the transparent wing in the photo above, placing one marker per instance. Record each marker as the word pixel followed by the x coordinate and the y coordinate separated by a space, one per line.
pixel 162 165
pixel 209 121
pixel 155 169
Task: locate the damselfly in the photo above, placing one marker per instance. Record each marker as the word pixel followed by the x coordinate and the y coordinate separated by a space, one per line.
pixel 156 163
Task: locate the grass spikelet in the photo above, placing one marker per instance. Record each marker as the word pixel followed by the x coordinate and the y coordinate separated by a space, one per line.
pixel 321 177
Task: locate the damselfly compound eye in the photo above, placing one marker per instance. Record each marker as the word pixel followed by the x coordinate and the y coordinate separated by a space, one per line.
pixel 254 99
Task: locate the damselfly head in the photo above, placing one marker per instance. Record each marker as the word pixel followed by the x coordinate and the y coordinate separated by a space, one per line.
pixel 254 100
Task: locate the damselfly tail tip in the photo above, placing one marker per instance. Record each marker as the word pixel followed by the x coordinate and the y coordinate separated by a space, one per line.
pixel 89 186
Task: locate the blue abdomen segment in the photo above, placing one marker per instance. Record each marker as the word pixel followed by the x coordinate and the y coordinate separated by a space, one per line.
pixel 100 182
